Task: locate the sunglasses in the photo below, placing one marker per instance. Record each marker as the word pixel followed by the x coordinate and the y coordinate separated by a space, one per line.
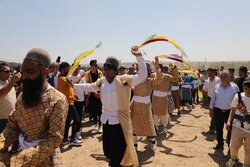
pixel 7 71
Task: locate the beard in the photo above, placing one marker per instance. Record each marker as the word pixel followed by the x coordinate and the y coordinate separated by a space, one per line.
pixel 32 91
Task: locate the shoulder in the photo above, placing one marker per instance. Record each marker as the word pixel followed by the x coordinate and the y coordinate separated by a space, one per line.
pixel 217 86
pixel 99 71
pixel 87 72
pixel 56 95
pixel 235 86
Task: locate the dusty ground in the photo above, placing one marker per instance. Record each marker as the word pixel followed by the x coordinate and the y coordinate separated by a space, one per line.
pixel 186 144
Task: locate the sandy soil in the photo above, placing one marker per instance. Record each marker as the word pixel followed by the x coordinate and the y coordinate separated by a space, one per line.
pixel 186 144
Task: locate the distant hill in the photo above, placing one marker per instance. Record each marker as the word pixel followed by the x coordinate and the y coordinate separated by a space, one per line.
pixel 199 65
pixel 218 64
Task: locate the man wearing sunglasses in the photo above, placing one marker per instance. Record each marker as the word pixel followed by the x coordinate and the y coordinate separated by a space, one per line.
pixel 7 93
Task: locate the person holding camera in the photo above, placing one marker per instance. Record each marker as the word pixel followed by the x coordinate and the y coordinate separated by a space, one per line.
pixel 240 114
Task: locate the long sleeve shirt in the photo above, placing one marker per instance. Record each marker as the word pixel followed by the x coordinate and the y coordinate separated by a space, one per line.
pixel 44 122
pixel 108 93
pixel 222 96
pixel 209 85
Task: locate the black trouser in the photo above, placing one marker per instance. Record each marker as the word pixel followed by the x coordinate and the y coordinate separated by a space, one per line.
pixel 114 144
pixel 79 108
pixel 221 118
pixel 212 126
pixel 195 97
pixel 95 108
pixel 72 115
pixel 3 123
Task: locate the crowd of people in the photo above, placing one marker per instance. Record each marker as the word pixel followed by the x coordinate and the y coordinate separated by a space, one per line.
pixel 41 103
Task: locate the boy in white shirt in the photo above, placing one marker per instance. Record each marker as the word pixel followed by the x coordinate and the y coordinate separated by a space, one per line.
pixel 241 125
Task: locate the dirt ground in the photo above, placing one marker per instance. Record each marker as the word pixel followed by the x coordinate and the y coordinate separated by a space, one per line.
pixel 186 144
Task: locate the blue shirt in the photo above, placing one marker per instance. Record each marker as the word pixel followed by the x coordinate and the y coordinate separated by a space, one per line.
pixel 222 96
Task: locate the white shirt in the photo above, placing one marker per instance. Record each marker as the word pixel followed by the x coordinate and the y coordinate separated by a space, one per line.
pixel 56 80
pixel 109 93
pixel 236 122
pixel 7 102
pixel 209 85
pixel 78 90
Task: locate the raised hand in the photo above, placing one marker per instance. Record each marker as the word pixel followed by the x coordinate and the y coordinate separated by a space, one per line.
pixel 16 77
pixel 135 51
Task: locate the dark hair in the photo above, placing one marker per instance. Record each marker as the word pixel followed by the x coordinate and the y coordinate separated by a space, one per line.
pixel 58 60
pixel 243 69
pixel 247 84
pixel 92 62
pixel 2 64
pixel 63 65
pixel 110 66
pixel 212 70
pixel 231 69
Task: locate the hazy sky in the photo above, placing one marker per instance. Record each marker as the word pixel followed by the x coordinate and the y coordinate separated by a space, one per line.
pixel 218 30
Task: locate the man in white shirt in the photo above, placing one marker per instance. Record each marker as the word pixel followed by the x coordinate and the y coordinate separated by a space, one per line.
pixel 208 90
pixel 115 96
pixel 78 77
pixel 7 93
pixel 241 126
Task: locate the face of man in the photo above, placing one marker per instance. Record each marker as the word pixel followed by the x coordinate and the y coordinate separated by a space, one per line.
pixel 109 73
pixel 93 67
pixel 241 74
pixel 56 69
pixel 211 74
pixel 5 73
pixel 33 78
pixel 246 88
pixel 224 79
pixel 65 71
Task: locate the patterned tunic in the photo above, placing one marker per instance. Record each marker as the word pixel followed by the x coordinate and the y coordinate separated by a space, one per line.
pixel 44 122
pixel 159 104
pixel 141 114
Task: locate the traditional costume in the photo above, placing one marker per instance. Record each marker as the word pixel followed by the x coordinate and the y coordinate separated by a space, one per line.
pixel 117 130
pixel 39 129
pixel 159 99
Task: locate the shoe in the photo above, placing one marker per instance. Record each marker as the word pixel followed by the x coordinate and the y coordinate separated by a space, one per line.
pixel 99 129
pixel 78 135
pixel 136 147
pixel 65 141
pixel 75 142
pixel 165 130
pixel 218 147
pixel 231 162
pixel 211 132
pixel 96 127
pixel 152 145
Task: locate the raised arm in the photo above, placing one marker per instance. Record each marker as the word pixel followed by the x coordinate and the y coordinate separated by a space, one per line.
pixel 142 73
pixel 90 87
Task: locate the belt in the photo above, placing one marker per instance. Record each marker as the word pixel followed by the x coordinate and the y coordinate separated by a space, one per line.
pixel 223 110
pixel 27 144
pixel 186 86
pixel 141 99
pixel 160 93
